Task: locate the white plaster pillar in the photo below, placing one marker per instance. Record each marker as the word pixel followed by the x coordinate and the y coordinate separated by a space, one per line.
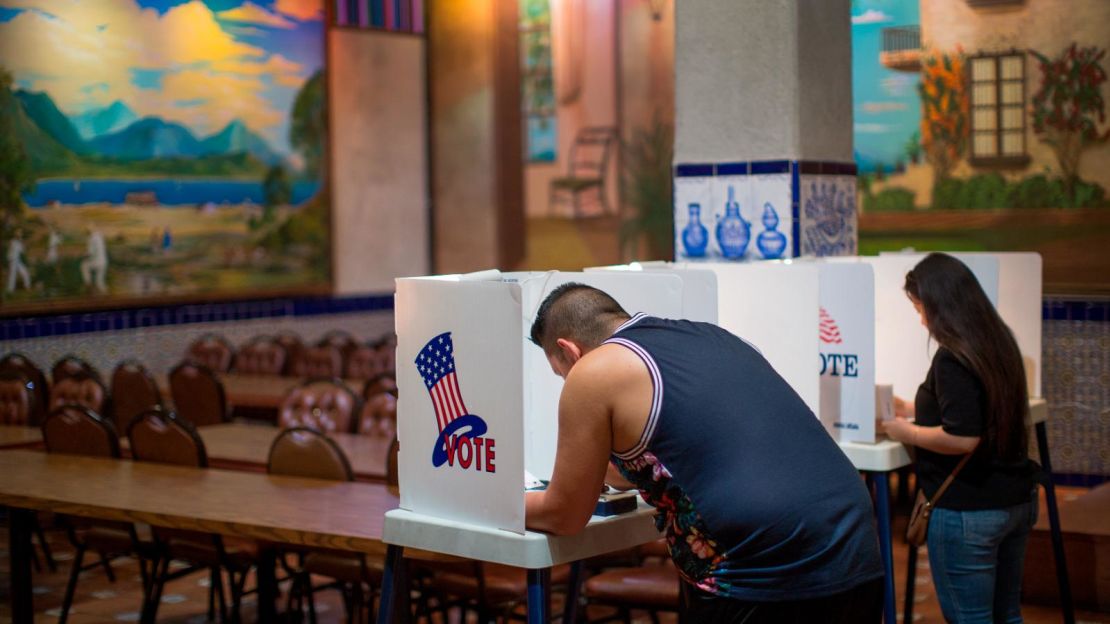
pixel 763 115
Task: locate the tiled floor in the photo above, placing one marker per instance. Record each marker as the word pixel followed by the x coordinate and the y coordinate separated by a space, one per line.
pixel 185 600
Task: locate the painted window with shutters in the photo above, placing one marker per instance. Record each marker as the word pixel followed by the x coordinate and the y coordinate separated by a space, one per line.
pixel 998 109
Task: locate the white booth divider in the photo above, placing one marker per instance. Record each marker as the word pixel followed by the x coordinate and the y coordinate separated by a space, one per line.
pixel 478 400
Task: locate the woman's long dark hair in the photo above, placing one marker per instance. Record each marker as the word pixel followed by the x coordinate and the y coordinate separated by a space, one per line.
pixel 961 318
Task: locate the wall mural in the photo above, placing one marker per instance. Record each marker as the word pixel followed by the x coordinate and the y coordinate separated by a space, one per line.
pixel 984 128
pixel 154 148
pixel 541 136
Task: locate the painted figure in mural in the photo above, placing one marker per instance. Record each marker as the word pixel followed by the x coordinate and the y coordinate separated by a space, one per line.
pixel 167 240
pixel 765 518
pixel 53 239
pixel 94 267
pixel 968 418
pixel 16 269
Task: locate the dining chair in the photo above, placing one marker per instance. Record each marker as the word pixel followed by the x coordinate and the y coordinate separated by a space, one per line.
pixel 293 347
pixel 81 388
pixel 75 430
pixel 303 452
pixel 326 405
pixel 213 351
pixel 261 355
pixel 198 394
pixel 72 366
pixel 319 361
pixel 587 170
pixel 19 363
pixel 161 437
pixel 133 392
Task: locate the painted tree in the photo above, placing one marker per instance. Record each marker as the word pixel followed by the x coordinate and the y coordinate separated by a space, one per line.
pixel 944 110
pixel 15 172
pixel 308 128
pixel 1068 107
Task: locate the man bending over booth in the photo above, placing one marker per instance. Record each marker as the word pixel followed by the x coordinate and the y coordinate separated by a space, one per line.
pixel 766 519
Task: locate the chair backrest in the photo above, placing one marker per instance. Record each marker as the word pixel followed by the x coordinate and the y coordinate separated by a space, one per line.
pixel 81 389
pixel 387 357
pixel 213 351
pixel 322 404
pixel 589 154
pixel 19 363
pixel 319 361
pixel 263 355
pixel 162 437
pixel 293 347
pixel 378 416
pixel 339 339
pixel 364 362
pixel 392 476
pixel 301 452
pixel 71 366
pixel 17 399
pixel 133 392
pixel 384 383
pixel 198 395
pixel 75 430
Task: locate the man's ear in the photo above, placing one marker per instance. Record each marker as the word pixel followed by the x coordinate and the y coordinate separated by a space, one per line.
pixel 570 350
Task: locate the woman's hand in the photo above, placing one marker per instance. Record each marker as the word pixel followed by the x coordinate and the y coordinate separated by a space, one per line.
pixel 899 430
pixel 903 408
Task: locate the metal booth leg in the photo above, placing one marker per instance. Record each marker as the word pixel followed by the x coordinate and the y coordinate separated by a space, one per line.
pixel 878 481
pixel 394 606
pixel 539 596
pixel 1054 527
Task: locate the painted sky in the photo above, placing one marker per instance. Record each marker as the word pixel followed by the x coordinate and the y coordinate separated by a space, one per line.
pixel 197 63
pixel 886 107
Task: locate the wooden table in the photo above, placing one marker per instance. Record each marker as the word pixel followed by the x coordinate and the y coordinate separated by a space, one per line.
pixel 239 446
pixel 284 510
pixel 19 436
pixel 259 391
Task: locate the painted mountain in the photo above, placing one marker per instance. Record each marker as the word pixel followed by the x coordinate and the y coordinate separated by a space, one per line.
pixel 148 138
pixel 235 138
pixel 42 110
pixel 98 122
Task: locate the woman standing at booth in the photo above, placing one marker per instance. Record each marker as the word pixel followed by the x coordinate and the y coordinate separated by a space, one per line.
pixel 973 401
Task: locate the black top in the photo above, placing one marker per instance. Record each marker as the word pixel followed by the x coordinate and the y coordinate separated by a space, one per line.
pixel 953 397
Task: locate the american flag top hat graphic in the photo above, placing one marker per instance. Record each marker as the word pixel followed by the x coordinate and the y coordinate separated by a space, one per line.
pixel 436 364
pixel 829 332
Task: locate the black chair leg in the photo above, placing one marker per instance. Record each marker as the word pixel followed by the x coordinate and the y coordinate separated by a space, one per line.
pixel 311 596
pixel 71 586
pixel 158 583
pixel 106 563
pixel 221 600
pixel 45 545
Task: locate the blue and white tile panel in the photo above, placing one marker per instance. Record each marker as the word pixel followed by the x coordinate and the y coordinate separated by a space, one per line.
pixel 788 209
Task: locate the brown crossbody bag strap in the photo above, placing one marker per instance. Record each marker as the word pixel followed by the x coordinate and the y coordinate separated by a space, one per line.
pixel 951 477
pixel 918 527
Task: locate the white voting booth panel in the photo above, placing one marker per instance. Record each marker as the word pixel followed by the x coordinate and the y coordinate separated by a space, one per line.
pixel 1020 288
pixel 846 343
pixel 699 286
pixel 478 400
pixel 772 305
pixel 903 349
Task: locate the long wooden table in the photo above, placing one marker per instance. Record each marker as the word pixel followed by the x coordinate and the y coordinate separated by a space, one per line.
pixel 259 391
pixel 19 436
pixel 241 446
pixel 281 510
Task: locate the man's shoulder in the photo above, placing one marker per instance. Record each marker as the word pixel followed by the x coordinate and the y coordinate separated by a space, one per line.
pixel 607 365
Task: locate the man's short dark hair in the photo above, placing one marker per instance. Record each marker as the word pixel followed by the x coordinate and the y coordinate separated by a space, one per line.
pixel 578 312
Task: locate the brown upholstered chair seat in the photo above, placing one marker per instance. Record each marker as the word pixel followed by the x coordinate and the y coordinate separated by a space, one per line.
pixel 503 583
pixel 325 406
pixel 211 351
pixel 261 356
pixel 651 587
pixel 79 389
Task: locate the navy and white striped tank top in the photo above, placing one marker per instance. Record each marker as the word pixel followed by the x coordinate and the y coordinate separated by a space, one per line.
pixel 757 501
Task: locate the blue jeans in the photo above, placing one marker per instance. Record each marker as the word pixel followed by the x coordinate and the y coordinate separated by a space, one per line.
pixel 976 559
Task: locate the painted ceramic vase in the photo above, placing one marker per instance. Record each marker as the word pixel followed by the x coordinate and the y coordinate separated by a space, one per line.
pixel 695 237
pixel 771 242
pixel 733 232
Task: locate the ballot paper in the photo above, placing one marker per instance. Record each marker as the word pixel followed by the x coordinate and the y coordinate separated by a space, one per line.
pixel 533 483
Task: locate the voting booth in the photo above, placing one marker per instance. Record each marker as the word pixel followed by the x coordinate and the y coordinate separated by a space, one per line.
pixel 478 400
